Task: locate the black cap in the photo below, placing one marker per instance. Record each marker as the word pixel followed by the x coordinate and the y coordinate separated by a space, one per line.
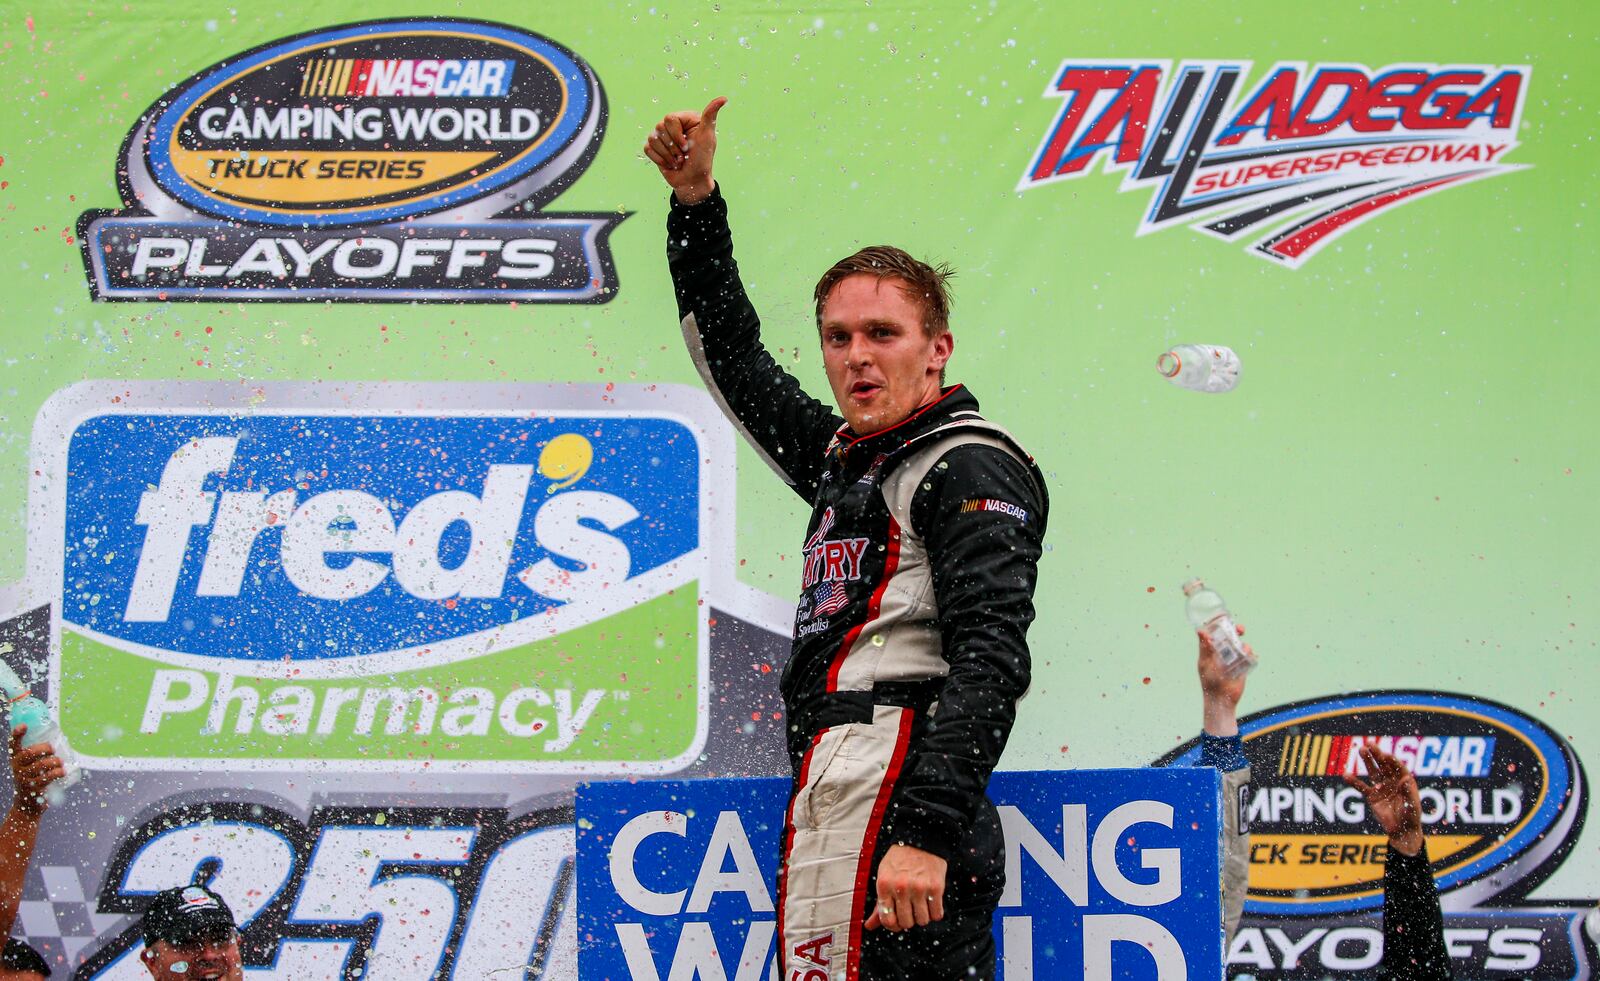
pixel 185 915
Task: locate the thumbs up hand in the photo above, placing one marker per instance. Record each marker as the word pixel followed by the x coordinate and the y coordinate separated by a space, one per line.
pixel 681 146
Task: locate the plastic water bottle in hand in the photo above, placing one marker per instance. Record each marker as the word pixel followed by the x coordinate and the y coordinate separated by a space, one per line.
pixel 1209 615
pixel 1201 367
pixel 25 709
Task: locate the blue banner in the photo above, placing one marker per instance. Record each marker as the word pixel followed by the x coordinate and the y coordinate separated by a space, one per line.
pixel 1110 874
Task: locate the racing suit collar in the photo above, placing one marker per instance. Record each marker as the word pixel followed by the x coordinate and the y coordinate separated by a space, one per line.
pixel 952 399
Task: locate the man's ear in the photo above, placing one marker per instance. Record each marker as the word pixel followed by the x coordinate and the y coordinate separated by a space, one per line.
pixel 943 346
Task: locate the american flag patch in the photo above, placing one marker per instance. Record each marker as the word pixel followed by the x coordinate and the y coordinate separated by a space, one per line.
pixel 990 504
pixel 830 597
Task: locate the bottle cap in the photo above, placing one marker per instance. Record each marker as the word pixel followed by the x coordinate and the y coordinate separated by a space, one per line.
pixel 1193 586
pixel 1169 364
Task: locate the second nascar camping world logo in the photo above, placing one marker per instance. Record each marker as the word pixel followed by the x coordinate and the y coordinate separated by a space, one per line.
pixel 1503 801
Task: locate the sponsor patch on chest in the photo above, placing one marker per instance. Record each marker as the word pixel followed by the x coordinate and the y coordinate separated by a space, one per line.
pixel 831 560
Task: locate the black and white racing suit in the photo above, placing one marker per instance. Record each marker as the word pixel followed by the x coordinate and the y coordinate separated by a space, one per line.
pixel 910 648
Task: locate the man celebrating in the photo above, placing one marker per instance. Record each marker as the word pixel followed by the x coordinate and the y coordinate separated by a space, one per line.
pixel 910 648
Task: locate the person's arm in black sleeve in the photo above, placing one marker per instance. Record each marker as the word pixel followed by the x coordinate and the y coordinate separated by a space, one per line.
pixel 789 428
pixel 1413 924
pixel 984 561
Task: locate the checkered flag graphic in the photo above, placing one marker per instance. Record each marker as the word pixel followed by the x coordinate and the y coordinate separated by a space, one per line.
pixel 58 918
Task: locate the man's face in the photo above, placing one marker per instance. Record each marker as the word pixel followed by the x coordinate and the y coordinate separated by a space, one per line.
pixel 206 959
pixel 881 363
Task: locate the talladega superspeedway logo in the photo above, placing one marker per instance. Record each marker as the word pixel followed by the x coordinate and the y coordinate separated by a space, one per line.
pixel 1503 801
pixel 394 160
pixel 1307 154
pixel 504 578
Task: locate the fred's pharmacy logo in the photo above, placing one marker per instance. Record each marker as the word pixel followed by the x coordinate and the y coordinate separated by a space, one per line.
pixel 393 160
pixel 1286 165
pixel 509 579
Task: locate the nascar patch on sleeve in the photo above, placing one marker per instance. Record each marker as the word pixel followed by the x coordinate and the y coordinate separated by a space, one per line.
pixel 991 504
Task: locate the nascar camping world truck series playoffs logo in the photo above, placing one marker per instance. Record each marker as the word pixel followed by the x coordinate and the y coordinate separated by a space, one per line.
pixel 1291 164
pixel 395 160
pixel 1503 802
pixel 508 580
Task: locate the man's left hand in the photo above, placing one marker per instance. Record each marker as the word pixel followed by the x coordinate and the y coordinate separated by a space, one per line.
pixel 910 889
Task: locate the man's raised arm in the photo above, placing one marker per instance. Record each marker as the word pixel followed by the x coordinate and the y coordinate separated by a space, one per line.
pixel 789 428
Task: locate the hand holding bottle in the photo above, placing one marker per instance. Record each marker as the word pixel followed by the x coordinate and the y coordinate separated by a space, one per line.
pixel 33 769
pixel 1209 616
pixel 30 716
pixel 1220 689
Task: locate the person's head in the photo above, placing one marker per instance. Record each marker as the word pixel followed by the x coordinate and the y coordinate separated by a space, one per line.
pixel 189 935
pixel 884 322
pixel 19 962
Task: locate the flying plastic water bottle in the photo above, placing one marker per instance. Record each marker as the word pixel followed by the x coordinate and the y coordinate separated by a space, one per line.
pixel 1209 615
pixel 1201 367
pixel 25 709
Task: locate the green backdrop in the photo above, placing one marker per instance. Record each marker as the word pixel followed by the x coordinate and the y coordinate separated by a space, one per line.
pixel 1401 493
